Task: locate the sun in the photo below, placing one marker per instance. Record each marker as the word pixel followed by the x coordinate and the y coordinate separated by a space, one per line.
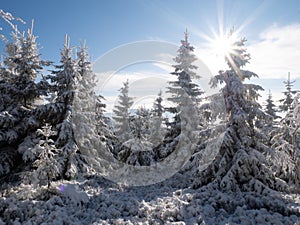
pixel 223 45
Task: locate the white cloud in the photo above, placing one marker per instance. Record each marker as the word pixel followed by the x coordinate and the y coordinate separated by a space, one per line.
pixel 143 86
pixel 277 52
pixel 114 81
pixel 165 61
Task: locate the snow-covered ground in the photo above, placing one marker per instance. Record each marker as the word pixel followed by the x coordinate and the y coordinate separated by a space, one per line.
pixel 99 201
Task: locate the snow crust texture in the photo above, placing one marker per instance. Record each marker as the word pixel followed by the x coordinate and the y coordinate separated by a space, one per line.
pixel 97 201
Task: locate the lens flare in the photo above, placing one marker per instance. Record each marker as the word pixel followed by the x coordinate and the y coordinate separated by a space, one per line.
pixel 223 46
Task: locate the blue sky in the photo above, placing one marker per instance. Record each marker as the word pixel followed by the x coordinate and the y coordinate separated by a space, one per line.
pixel 106 24
pixel 271 27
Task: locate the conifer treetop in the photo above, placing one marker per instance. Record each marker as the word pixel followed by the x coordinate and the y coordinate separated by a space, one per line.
pixel 286 103
pixel 270 106
pixel 186 58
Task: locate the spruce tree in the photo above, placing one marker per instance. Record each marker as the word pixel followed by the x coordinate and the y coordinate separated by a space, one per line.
pixel 8 74
pixel 270 106
pixel 9 117
pixel 47 167
pixel 64 80
pixel 87 115
pixel 284 157
pixel 19 91
pixel 101 121
pixel 138 149
pixel 7 101
pixel 157 132
pixel 185 96
pixel 23 65
pixel 287 101
pixel 140 123
pixel 270 123
pixel 158 108
pixel 122 114
pixel 184 92
pixel 239 165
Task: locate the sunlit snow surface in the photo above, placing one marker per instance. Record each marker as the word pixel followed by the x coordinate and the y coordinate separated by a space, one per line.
pixel 98 201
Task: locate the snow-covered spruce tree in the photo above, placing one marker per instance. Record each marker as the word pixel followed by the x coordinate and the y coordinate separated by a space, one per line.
pixel 185 95
pixel 183 91
pixel 240 163
pixel 87 114
pixel 18 86
pixel 269 124
pixel 10 114
pixel 140 126
pixel 101 121
pixel 104 128
pixel 138 150
pixel 157 132
pixel 46 165
pixel 5 98
pixel 23 65
pixel 284 157
pixel 122 114
pixel 158 108
pixel 8 76
pixel 270 106
pixel 64 80
pixel 287 101
pixel 19 90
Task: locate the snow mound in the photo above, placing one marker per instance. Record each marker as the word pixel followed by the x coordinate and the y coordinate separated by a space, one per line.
pixel 75 196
